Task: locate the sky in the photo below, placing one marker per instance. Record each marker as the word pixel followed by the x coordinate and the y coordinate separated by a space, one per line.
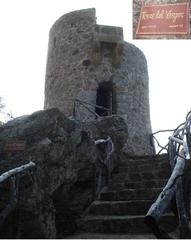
pixel 24 29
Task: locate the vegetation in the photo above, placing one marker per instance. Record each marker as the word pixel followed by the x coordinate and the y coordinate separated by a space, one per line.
pixel 3 113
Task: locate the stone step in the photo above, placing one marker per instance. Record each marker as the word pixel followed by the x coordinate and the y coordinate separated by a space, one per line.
pixel 151 160
pixel 143 167
pixel 154 183
pixel 136 207
pixel 89 235
pixel 139 176
pixel 142 163
pixel 130 194
pixel 122 224
pixel 119 184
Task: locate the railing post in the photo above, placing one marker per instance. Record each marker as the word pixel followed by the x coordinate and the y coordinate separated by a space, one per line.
pixel 12 173
pixel 104 165
pixel 178 153
pixel 182 215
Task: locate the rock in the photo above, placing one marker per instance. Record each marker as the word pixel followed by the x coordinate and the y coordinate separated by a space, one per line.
pixel 63 155
pixel 60 187
pixel 110 126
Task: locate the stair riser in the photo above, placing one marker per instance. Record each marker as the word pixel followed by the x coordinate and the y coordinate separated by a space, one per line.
pixel 121 226
pixel 144 168
pixel 141 161
pixel 140 176
pixel 146 184
pixel 114 226
pixel 131 208
pixel 141 184
pixel 128 195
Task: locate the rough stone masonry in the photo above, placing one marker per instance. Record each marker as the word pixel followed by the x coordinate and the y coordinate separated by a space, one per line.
pixel 93 63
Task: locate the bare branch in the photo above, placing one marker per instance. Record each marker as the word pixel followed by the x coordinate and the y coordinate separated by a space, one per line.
pixel 14 171
pixel 178 153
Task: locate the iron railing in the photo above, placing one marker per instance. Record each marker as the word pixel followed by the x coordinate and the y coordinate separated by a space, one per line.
pixel 80 106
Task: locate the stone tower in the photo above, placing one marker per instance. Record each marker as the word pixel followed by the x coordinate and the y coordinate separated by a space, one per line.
pixel 93 63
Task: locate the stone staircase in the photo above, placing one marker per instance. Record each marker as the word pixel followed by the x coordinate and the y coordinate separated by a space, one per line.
pixel 122 205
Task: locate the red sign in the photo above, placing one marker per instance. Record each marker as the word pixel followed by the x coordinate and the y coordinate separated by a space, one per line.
pixel 15 146
pixel 164 19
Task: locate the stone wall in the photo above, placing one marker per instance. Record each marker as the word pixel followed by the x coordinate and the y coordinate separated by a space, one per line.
pixel 81 56
pixel 136 12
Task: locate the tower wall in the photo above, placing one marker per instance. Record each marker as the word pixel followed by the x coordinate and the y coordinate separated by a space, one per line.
pixel 81 56
pixel 68 68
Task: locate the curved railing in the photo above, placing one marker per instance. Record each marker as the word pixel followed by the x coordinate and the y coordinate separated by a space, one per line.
pixel 104 164
pixel 155 141
pixel 12 175
pixel 178 153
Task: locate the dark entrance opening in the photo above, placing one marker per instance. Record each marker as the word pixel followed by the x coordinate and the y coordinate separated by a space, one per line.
pixel 105 99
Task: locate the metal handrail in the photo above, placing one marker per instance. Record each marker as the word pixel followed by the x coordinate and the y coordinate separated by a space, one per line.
pixel 76 110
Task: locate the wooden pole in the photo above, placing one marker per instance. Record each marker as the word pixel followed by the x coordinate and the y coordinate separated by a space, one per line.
pixel 14 171
pixel 11 204
pixel 182 215
pixel 164 198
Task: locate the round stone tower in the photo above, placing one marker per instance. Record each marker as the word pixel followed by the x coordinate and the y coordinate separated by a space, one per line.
pixel 93 63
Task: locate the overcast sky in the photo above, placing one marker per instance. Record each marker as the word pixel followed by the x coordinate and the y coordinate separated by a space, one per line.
pixel 24 27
